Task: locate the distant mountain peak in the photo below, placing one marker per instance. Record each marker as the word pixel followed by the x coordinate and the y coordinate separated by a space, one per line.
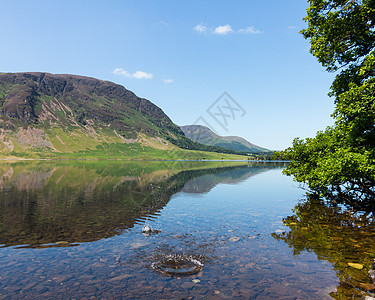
pixel 206 136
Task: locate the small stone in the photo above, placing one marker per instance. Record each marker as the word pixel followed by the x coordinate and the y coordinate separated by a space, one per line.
pixel 234 239
pixel 120 277
pixel 356 266
pixel 367 286
pixel 196 281
pixel 250 265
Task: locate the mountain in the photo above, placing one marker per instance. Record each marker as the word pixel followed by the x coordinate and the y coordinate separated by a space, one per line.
pixel 204 135
pixel 47 114
pixel 78 103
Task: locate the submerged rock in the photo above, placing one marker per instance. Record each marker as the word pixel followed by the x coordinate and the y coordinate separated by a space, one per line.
pixel 367 286
pixel 147 230
pixel 371 273
pixel 356 266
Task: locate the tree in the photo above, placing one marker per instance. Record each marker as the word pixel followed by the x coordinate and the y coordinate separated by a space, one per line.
pixel 340 160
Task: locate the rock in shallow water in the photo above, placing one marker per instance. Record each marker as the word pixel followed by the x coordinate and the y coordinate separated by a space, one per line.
pixel 147 230
pixel 356 266
pixel 371 273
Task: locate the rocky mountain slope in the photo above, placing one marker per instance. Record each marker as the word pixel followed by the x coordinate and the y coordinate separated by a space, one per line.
pixel 204 135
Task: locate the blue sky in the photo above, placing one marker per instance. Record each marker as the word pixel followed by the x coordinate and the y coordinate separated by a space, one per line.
pixel 182 56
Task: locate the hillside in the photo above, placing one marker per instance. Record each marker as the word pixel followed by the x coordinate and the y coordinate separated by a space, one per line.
pixel 44 114
pixel 204 135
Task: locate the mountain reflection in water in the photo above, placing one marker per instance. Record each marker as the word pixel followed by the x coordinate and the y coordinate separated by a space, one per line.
pixel 47 204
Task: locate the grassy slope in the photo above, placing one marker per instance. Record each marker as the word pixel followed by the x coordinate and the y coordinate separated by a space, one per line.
pixel 125 152
pixel 76 144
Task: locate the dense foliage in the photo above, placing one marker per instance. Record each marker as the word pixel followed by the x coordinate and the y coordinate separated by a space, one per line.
pixel 340 160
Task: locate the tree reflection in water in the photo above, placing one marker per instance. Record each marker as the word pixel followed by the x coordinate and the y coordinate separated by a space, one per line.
pixel 340 234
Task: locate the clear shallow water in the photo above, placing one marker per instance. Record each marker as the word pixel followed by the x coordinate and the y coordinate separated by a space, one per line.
pixel 74 230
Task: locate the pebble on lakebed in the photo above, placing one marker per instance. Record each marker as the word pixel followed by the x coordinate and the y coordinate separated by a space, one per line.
pixel 356 266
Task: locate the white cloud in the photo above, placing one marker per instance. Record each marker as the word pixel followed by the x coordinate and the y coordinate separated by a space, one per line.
pixel 168 80
pixel 162 22
pixel 250 29
pixel 137 74
pixel 121 71
pixel 142 75
pixel 200 28
pixel 225 29
pixel 291 27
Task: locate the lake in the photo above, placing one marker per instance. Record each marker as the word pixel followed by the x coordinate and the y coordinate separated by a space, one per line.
pixel 220 230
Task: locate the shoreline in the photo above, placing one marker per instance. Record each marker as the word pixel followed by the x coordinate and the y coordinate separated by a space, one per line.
pixel 134 160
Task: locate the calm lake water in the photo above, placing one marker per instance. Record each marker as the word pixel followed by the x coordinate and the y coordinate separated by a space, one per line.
pixel 73 230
